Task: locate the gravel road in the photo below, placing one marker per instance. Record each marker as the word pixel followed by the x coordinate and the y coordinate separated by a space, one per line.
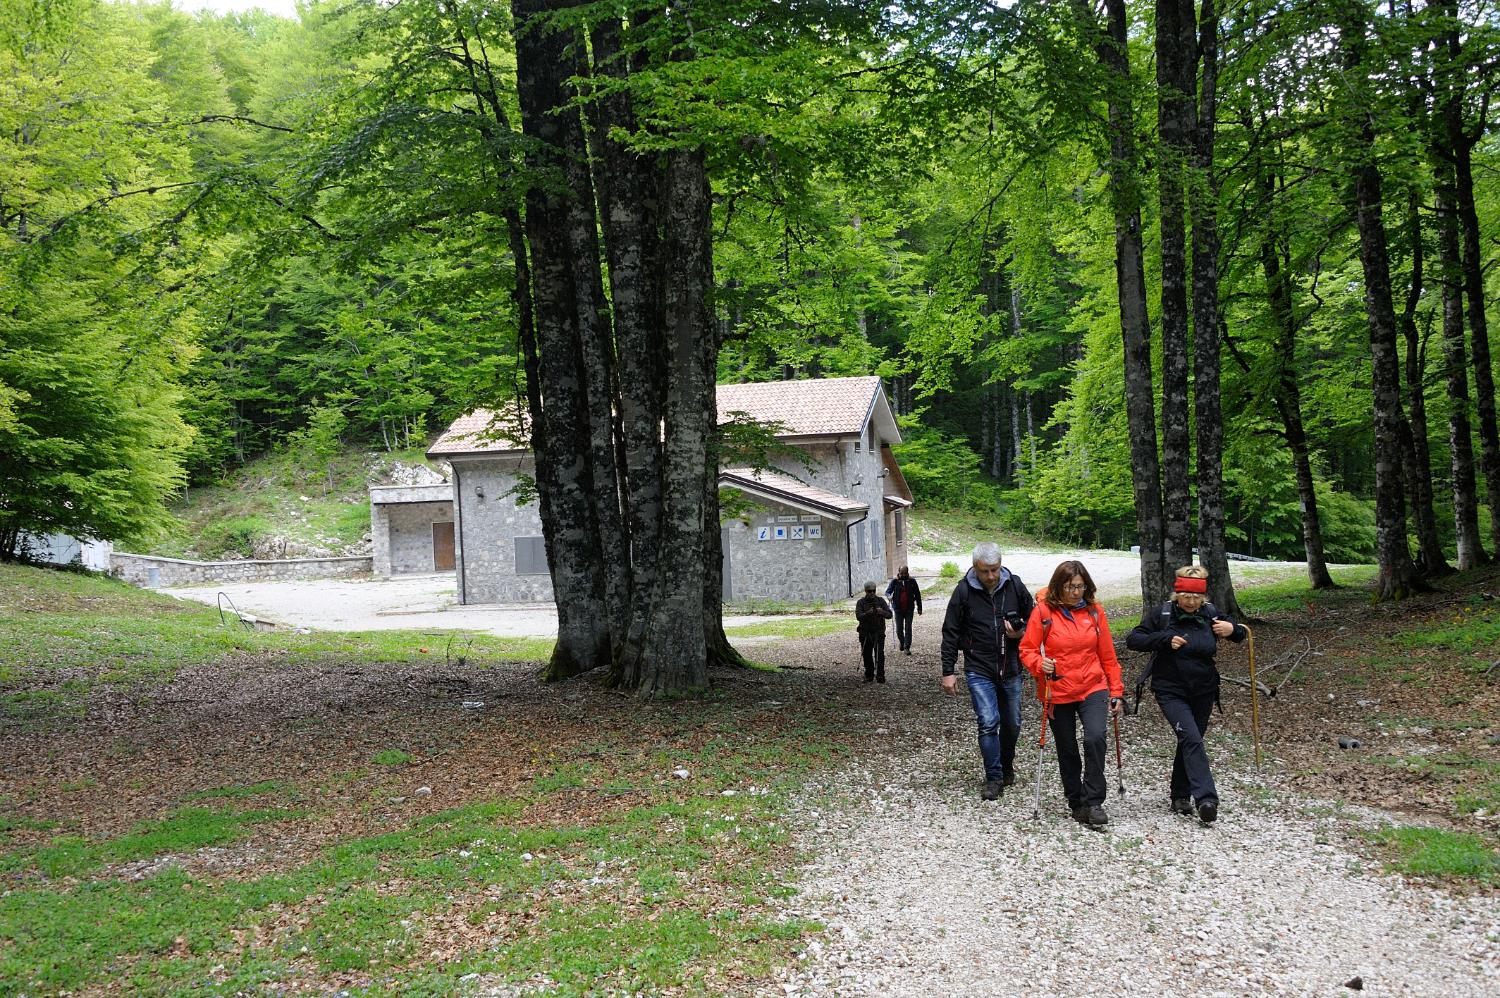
pixel 927 891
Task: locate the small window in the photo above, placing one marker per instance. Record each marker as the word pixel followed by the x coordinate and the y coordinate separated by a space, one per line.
pixel 875 538
pixel 859 538
pixel 856 446
pixel 531 556
pixel 900 526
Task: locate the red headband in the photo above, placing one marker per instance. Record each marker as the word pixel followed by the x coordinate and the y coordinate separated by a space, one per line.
pixel 1187 584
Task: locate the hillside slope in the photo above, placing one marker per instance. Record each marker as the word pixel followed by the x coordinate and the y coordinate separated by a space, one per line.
pixel 278 507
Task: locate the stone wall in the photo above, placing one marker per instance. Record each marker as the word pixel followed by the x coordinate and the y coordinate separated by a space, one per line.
pixel 407 538
pixel 786 567
pixel 152 572
pixel 488 521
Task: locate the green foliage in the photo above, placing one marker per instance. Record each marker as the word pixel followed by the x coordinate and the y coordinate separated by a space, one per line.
pixel 943 471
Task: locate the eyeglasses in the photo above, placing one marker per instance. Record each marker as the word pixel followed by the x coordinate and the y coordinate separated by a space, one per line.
pixel 1075 586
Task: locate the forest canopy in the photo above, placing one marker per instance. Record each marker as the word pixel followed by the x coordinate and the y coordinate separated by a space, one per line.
pixel 221 231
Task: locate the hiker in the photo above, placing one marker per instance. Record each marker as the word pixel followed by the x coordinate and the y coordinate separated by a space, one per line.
pixel 986 618
pixel 905 596
pixel 871 613
pixel 1068 649
pixel 1182 636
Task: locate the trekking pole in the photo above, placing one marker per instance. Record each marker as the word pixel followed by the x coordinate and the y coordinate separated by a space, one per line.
pixel 1119 758
pixel 1036 808
pixel 1254 695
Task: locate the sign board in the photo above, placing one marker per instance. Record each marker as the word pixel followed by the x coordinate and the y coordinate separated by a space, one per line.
pixel 762 533
pixel 816 530
pixel 798 533
pixel 779 533
pixel 809 518
pixel 786 519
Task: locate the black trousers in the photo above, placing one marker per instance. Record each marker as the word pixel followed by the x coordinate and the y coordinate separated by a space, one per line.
pixel 903 630
pixel 872 648
pixel 1189 717
pixel 1092 787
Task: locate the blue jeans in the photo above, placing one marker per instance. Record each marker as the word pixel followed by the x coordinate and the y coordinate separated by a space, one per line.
pixel 997 707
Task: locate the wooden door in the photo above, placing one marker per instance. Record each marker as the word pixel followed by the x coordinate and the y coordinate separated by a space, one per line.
pixel 442 547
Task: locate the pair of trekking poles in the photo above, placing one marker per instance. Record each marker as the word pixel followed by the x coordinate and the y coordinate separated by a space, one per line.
pixel 1036 808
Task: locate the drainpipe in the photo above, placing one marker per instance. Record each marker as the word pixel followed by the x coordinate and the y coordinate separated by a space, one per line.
pixel 458 528
pixel 849 548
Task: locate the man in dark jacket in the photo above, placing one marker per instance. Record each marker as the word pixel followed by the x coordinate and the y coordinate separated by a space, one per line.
pixel 1182 636
pixel 871 613
pixel 905 596
pixel 986 615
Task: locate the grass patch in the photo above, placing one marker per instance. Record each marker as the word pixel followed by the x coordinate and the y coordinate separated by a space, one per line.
pixel 391 757
pixel 184 830
pixel 242 792
pixel 664 890
pixel 53 621
pixel 1437 853
pixel 1474 628
pixel 1290 595
pixel 794 627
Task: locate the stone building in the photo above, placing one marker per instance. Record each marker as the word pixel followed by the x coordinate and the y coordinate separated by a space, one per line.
pixel 809 529
pixel 411 529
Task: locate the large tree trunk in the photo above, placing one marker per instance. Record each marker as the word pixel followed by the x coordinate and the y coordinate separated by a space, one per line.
pixel 676 657
pixel 1176 57
pixel 1111 47
pixel 565 475
pixel 1203 202
pixel 1396 570
pixel 629 189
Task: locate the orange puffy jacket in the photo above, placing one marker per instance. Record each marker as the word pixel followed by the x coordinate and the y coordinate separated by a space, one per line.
pixel 1081 646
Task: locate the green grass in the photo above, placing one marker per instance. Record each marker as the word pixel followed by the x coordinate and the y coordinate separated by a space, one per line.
pixel 391 757
pixel 265 788
pixel 1472 628
pixel 69 623
pixel 793 627
pixel 601 905
pixel 1437 853
pixel 1294 594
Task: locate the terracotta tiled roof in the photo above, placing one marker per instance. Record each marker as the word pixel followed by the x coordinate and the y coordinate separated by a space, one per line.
pixel 810 407
pixel 480 432
pixel 775 485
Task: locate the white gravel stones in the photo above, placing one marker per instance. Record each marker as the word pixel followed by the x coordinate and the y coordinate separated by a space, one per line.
pixel 927 891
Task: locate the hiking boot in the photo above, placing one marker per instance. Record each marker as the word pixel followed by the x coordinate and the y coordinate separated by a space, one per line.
pixel 992 790
pixel 880 678
pixel 908 651
pixel 1081 814
pixel 1096 816
pixel 1009 779
pixel 1182 805
pixel 1208 811
pixel 869 678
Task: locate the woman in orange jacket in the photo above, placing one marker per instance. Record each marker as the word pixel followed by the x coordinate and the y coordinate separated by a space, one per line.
pixel 1068 649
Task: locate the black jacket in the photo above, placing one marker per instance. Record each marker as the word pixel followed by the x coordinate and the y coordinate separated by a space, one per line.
pixel 871 613
pixel 975 623
pixel 1189 670
pixel 913 594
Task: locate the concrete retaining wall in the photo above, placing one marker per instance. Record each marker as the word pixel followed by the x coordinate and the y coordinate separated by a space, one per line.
pixel 150 571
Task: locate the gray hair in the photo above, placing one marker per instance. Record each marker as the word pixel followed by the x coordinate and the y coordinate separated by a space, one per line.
pixel 870 585
pixel 987 553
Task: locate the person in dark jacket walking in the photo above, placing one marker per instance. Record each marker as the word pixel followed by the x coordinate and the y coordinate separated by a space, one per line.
pixel 986 615
pixel 871 613
pixel 1182 636
pixel 905 596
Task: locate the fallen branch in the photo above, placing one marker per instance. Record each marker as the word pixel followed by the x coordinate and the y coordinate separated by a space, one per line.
pixel 1267 690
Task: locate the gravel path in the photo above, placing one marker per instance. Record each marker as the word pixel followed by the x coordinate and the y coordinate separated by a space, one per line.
pixel 928 891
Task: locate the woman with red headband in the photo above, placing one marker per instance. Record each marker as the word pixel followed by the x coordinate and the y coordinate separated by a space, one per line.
pixel 1182 636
